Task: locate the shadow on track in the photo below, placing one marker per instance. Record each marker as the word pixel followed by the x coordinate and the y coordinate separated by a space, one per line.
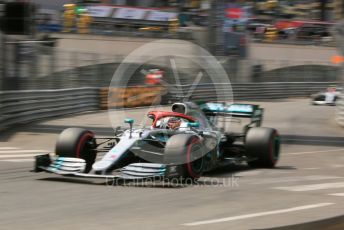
pixel 313 140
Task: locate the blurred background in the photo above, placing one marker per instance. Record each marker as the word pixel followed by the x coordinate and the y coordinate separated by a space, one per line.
pixel 65 44
pixel 58 57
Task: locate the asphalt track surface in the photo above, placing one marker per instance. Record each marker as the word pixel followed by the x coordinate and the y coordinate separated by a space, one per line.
pixel 307 185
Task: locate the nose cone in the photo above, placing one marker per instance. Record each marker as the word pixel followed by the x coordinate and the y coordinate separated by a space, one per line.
pixel 101 165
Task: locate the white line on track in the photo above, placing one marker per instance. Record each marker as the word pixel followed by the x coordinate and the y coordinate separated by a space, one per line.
pixel 337 166
pixel 252 215
pixel 8 148
pixel 310 168
pixel 249 173
pixel 336 194
pixel 322 151
pixel 312 187
pixel 23 151
pixel 18 155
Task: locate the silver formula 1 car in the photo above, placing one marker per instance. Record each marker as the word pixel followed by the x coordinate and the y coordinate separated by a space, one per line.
pixel 181 143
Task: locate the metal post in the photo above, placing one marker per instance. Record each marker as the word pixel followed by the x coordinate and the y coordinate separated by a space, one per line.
pixel 215 30
pixel 76 72
pixel 96 81
pixel 3 59
pixel 2 49
pixel 2 75
pixel 51 69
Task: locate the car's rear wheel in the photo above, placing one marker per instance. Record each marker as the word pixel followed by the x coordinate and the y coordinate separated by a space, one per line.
pixel 263 147
pixel 78 143
pixel 185 151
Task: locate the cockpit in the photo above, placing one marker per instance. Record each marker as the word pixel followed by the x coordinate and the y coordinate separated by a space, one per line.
pixel 171 122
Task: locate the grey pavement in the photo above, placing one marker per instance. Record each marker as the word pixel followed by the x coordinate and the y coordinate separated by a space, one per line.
pixel 307 184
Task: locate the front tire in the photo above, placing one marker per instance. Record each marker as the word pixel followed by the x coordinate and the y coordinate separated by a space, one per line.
pixel 77 143
pixel 186 151
pixel 263 146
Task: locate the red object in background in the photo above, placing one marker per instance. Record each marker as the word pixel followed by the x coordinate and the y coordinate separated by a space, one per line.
pixel 280 25
pixel 154 77
pixel 284 24
pixel 234 13
pixel 337 59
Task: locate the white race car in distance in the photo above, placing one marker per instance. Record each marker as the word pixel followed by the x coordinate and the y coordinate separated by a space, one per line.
pixel 327 98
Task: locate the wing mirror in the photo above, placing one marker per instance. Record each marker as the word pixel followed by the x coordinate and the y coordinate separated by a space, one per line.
pixel 129 121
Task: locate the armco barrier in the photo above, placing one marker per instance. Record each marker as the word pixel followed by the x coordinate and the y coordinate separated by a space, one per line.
pixel 19 107
pixel 249 91
pixel 240 91
pixel 140 96
pixel 258 91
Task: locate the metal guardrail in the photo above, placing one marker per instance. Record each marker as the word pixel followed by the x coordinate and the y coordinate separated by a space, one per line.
pixel 20 107
pixel 255 91
pixel 248 91
pixel 305 42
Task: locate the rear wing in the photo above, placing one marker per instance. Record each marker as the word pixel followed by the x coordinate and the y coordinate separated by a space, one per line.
pixel 254 112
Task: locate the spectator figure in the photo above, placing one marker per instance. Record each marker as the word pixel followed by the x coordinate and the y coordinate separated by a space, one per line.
pixel 69 18
pixel 84 22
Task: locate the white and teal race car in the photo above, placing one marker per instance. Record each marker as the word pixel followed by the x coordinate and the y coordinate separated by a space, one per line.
pixel 182 143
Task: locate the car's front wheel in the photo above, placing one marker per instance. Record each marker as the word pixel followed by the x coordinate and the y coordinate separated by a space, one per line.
pixel 77 143
pixel 186 152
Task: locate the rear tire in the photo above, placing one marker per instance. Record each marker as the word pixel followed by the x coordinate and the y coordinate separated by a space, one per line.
pixel 263 144
pixel 77 143
pixel 186 151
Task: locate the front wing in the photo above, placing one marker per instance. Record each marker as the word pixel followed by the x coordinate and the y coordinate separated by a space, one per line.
pixel 74 167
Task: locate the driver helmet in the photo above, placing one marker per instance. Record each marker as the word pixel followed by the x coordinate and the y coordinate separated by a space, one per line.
pixel 174 123
pixel 331 89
